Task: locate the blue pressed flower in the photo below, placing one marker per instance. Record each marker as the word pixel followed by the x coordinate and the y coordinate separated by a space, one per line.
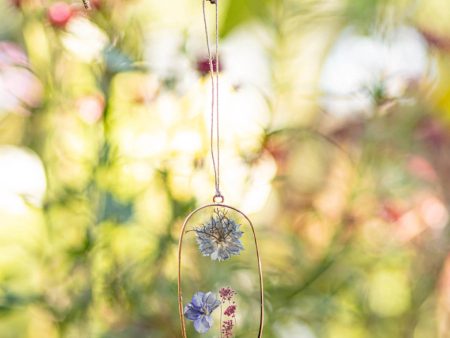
pixel 199 310
pixel 220 238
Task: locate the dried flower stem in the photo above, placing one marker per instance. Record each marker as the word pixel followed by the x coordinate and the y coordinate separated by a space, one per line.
pixel 221 314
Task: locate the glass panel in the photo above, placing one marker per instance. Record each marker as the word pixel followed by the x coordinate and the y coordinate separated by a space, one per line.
pixel 220 276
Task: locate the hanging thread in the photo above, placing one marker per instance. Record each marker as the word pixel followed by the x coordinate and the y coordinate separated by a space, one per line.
pixel 214 73
pixel 86 4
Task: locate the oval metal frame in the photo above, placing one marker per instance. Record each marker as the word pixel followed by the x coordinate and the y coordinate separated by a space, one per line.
pixel 180 247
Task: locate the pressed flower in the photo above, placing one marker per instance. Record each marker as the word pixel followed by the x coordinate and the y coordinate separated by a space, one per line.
pixel 229 314
pixel 227 328
pixel 199 310
pixel 230 311
pixel 220 237
pixel 226 294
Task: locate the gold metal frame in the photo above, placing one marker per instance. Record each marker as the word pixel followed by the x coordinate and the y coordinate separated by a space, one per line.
pixel 180 247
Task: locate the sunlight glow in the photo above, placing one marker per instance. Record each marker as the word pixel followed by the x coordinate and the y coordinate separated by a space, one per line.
pixel 357 64
pixel 22 178
pixel 84 40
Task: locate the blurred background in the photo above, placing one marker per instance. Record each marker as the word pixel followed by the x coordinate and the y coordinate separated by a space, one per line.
pixel 335 141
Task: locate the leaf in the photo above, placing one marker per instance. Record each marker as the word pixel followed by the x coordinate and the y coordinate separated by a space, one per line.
pixel 115 210
pixel 116 61
pixel 240 11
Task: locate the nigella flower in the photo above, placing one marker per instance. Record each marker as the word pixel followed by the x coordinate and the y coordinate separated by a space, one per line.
pixel 199 310
pixel 220 237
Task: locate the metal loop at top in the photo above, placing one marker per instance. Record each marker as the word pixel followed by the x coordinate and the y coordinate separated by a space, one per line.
pixel 213 1
pixel 218 198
